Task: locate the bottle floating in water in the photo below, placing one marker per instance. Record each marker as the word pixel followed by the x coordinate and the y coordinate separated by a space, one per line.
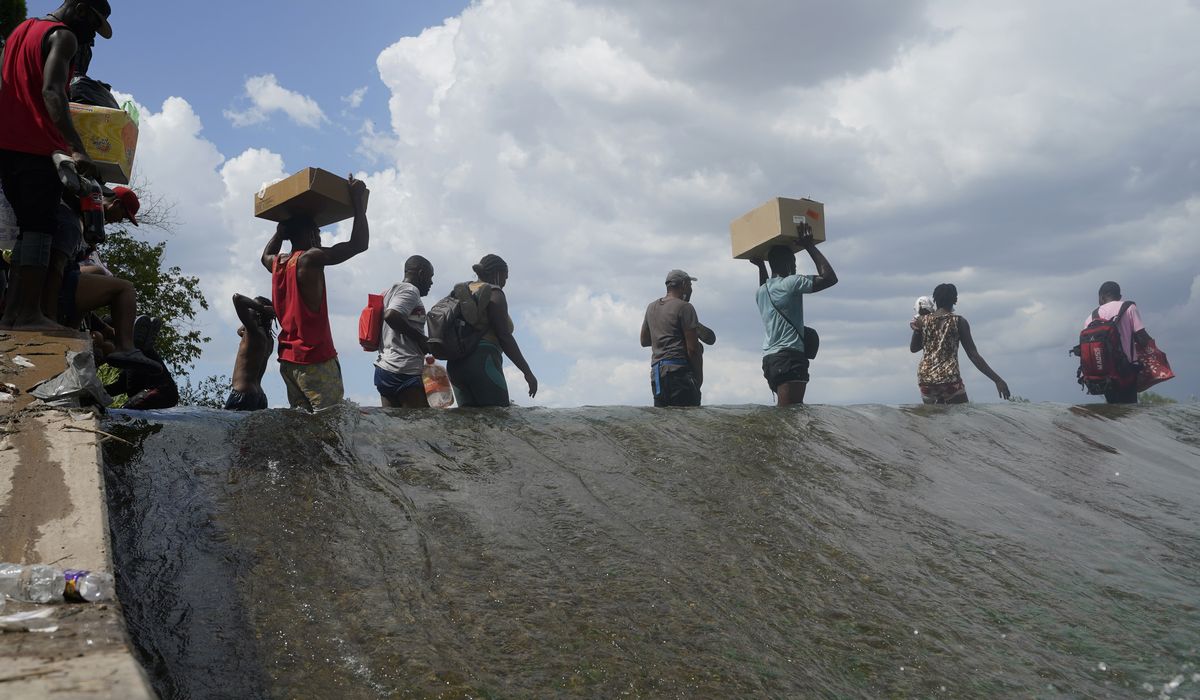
pixel 437 384
pixel 88 586
pixel 36 583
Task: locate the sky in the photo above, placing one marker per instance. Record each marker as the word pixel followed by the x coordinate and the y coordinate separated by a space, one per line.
pixel 1024 151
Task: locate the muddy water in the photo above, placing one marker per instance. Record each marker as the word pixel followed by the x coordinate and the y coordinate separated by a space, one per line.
pixel 996 550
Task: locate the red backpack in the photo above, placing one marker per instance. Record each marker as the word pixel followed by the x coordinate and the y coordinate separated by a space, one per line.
pixel 370 323
pixel 1102 361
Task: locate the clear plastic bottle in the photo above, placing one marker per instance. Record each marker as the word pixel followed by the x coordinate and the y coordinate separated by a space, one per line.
pixel 36 583
pixel 89 586
pixel 437 384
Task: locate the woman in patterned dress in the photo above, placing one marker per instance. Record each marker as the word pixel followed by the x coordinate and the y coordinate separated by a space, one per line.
pixel 939 334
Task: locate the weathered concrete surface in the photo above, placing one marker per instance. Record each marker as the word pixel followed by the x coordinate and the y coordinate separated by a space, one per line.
pixel 53 511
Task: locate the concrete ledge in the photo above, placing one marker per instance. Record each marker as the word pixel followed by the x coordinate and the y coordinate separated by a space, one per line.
pixel 53 511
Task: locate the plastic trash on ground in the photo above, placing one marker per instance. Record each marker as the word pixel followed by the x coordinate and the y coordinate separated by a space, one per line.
pixel 75 387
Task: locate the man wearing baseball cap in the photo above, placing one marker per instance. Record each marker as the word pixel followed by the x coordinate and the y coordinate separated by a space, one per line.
pixel 34 76
pixel 672 331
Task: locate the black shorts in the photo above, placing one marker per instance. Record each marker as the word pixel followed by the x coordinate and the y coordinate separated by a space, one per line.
pixel 784 366
pixel 678 387
pixel 250 401
pixel 33 188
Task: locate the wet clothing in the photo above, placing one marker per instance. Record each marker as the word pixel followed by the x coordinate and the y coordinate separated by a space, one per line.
pixel 313 386
pixel 781 305
pixel 478 378
pixel 786 365
pixel 28 127
pixel 246 401
pixel 392 384
pixel 399 354
pixel 674 388
pixel 949 392
pixel 939 364
pixel 304 335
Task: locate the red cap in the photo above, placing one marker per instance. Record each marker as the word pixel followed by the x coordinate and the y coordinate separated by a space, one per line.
pixel 129 202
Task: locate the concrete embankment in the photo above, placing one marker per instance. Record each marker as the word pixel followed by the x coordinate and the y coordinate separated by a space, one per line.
pixel 53 511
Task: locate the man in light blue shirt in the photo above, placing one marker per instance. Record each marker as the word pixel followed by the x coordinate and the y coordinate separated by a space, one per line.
pixel 780 299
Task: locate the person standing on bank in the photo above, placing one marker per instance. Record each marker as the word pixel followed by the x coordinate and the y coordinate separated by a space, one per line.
pixel 673 332
pixel 403 345
pixel 307 358
pixel 939 335
pixel 780 300
pixel 478 378
pixel 37 123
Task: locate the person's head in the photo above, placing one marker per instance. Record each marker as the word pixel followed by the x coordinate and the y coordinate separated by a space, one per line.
pixel 419 272
pixel 492 269
pixel 266 317
pixel 122 204
pixel 86 18
pixel 782 260
pixel 1110 291
pixel 679 284
pixel 945 296
pixel 301 231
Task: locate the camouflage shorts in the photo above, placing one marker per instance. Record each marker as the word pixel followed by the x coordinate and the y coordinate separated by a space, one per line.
pixel 313 387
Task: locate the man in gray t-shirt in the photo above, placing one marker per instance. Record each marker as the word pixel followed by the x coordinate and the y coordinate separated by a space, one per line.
pixel 673 332
pixel 403 345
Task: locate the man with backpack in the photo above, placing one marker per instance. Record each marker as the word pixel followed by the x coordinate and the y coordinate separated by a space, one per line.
pixel 403 344
pixel 1108 347
pixel 307 358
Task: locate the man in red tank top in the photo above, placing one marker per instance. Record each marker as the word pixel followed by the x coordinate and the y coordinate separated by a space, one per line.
pixel 307 358
pixel 37 122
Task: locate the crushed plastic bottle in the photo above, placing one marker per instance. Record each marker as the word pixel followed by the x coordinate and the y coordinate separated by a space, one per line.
pixel 437 384
pixel 88 586
pixel 36 583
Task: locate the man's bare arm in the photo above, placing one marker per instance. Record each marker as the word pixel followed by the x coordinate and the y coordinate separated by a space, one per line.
pixel 695 354
pixel 398 323
pixel 705 334
pixel 762 270
pixel 272 249
pixel 825 277
pixel 645 337
pixel 63 46
pixel 360 234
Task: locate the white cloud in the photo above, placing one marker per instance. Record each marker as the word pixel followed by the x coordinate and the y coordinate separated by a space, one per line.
pixel 267 96
pixel 355 99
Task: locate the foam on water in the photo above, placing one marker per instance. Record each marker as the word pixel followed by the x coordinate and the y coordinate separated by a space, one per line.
pixel 865 551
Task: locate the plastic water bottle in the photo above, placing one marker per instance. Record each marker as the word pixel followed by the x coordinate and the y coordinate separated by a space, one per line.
pixel 36 583
pixel 437 384
pixel 88 586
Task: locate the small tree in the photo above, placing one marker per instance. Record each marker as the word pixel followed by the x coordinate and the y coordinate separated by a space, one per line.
pixel 12 13
pixel 209 392
pixel 166 293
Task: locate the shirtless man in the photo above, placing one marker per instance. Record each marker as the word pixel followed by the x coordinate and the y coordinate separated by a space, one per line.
pixel 254 351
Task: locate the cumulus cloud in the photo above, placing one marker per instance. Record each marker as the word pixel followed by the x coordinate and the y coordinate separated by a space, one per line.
pixel 598 145
pixel 267 96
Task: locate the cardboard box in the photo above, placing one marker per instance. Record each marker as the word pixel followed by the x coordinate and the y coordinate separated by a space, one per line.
pixel 774 223
pixel 110 138
pixel 315 192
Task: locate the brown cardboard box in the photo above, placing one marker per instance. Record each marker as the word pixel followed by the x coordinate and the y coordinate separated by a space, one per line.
pixel 312 191
pixel 774 223
pixel 110 137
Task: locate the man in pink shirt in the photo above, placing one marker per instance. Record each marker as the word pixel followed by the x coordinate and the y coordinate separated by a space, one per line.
pixel 1133 337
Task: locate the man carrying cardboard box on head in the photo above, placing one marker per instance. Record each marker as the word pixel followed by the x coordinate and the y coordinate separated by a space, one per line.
pixel 780 301
pixel 307 358
pixel 37 123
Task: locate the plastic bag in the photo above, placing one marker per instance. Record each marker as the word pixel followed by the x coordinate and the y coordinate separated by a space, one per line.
pixel 88 91
pixel 77 386
pixel 1154 368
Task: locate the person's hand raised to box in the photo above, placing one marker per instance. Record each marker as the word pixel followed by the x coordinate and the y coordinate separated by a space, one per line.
pixel 358 193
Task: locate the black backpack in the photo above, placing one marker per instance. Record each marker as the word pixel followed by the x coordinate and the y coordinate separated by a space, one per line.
pixel 457 322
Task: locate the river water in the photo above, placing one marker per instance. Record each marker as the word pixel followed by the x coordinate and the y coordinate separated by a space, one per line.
pixel 1003 550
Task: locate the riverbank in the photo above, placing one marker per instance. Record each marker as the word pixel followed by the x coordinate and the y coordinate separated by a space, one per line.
pixel 53 511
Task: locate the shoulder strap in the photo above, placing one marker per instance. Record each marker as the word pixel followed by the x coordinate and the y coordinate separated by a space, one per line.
pixel 780 312
pixel 1096 313
pixel 1124 308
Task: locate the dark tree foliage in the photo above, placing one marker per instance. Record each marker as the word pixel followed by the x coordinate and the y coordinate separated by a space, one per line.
pixel 12 13
pixel 166 293
pixel 209 392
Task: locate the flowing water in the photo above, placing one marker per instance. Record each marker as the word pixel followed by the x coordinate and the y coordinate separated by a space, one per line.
pixel 1015 550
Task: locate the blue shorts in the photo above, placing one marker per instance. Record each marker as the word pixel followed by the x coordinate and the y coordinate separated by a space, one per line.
pixel 392 384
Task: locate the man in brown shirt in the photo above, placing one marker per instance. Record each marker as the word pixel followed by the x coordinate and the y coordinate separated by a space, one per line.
pixel 673 332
